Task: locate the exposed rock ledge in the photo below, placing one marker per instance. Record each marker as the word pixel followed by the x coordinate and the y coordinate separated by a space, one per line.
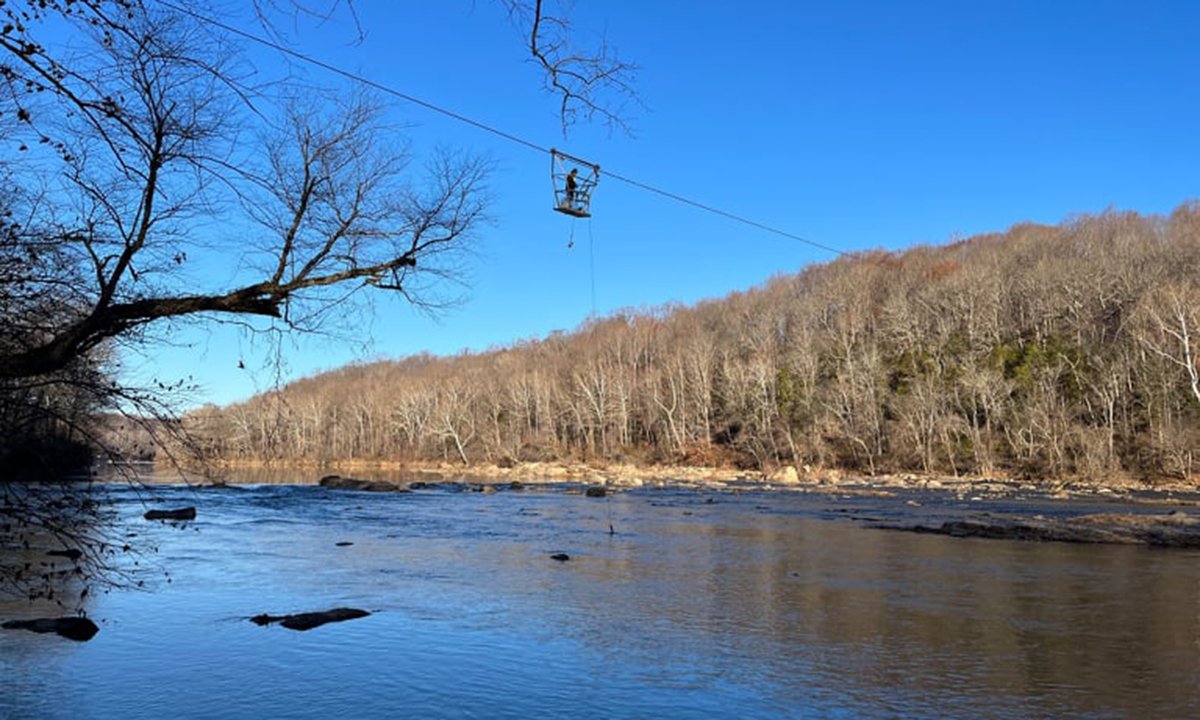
pixel 1177 529
pixel 794 477
pixel 187 513
pixel 310 620
pixel 337 482
pixel 72 628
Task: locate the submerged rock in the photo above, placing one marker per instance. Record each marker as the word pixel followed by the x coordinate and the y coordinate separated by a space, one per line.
pixel 218 485
pixel 596 491
pixel 1177 529
pixel 337 482
pixel 73 628
pixel 310 620
pixel 1004 530
pixel 187 513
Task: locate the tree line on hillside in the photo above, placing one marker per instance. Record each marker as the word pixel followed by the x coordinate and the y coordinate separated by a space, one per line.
pixel 1043 351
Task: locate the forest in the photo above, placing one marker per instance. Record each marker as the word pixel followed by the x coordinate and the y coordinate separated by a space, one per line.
pixel 1040 352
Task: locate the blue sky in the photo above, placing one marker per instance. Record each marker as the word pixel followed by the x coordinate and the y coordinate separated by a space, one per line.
pixel 855 124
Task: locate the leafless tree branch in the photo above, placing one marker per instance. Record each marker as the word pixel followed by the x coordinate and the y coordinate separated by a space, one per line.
pixel 594 84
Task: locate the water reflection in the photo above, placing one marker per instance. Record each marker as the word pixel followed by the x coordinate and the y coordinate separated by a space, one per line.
pixel 744 607
pixel 925 623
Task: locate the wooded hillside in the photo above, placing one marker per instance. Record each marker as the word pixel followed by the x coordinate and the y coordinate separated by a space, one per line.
pixel 1041 351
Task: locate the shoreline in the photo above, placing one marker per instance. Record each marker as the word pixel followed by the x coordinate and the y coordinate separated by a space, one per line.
pixel 803 479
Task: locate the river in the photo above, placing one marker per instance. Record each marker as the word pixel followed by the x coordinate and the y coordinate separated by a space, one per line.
pixel 698 605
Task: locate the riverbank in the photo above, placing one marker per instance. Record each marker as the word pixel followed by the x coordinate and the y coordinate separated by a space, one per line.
pixel 800 479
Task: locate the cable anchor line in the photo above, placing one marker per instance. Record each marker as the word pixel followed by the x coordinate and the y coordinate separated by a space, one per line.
pixel 388 90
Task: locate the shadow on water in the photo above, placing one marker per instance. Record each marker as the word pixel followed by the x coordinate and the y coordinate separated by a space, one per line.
pixel 59 542
pixel 700 605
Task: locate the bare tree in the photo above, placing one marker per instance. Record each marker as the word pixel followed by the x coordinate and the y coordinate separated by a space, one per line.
pixel 339 216
pixel 1170 330
pixel 148 114
pixel 593 84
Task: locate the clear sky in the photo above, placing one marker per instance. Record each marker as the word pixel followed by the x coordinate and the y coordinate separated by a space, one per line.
pixel 854 124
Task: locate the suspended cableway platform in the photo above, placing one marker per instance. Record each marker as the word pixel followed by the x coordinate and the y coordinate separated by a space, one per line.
pixel 573 187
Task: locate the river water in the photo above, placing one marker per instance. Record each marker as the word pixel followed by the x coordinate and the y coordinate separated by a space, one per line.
pixel 699 605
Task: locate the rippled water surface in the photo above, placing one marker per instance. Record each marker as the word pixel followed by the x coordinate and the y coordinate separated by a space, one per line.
pixel 700 605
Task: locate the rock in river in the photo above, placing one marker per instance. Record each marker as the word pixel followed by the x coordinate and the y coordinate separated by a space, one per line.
pixel 72 628
pixel 1177 529
pixel 310 620
pixel 337 482
pixel 187 513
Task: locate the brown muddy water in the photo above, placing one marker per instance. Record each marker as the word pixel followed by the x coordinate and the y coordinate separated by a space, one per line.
pixel 700 605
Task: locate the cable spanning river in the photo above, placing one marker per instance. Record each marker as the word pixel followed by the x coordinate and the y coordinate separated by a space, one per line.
pixel 698 605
